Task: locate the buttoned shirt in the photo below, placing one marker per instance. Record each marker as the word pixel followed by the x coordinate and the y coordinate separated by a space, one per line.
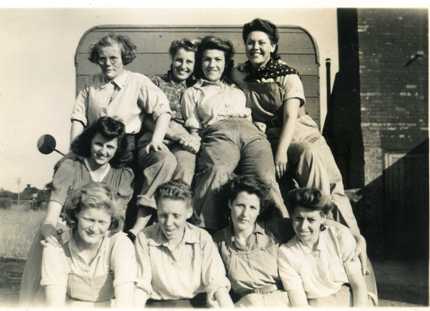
pixel 173 90
pixel 126 98
pixel 251 267
pixel 94 281
pixel 193 267
pixel 208 102
pixel 319 271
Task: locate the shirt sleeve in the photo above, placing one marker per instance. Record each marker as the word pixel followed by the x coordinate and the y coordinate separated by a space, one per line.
pixel 79 112
pixel 293 88
pixel 62 181
pixel 189 103
pixel 347 244
pixel 213 271
pixel 123 260
pixel 54 268
pixel 144 273
pixel 290 277
pixel 152 100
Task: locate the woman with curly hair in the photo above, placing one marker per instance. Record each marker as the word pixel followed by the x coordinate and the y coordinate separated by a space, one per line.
pixel 215 110
pixel 250 243
pixel 98 263
pixel 319 266
pixel 99 155
pixel 128 96
pixel 173 83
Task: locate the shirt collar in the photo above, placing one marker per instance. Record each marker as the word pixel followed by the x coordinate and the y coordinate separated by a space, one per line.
pixel 203 82
pixel 254 240
pixel 190 236
pixel 75 251
pixel 318 247
pixel 120 81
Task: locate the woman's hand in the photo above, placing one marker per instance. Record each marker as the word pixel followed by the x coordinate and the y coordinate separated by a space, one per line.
pixel 49 235
pixel 281 162
pixel 190 143
pixel 361 251
pixel 155 145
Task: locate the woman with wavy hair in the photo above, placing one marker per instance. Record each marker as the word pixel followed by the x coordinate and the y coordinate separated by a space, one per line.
pixel 98 263
pixel 128 96
pixel 319 266
pixel 215 110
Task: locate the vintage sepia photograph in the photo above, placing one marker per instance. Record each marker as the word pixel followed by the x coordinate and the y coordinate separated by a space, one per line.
pixel 214 157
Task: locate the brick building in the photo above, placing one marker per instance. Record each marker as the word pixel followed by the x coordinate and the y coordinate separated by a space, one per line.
pixel 377 124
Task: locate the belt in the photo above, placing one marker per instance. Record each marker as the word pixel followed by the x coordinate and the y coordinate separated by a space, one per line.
pixel 263 290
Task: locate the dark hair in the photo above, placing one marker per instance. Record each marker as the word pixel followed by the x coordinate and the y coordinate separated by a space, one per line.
pixel 215 43
pixel 309 198
pixel 110 129
pixel 252 185
pixel 174 190
pixel 186 44
pixel 128 48
pixel 93 195
pixel 266 26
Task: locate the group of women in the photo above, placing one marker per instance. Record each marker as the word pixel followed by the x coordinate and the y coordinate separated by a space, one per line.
pixel 202 148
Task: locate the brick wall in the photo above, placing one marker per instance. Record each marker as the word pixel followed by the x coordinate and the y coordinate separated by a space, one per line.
pixel 394 120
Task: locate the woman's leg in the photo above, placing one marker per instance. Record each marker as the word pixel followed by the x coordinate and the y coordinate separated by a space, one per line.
pixel 186 165
pixel 154 169
pixel 216 161
pixel 257 159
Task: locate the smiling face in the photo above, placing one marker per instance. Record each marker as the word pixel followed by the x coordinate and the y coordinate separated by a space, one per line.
pixel 93 223
pixel 183 64
pixel 110 61
pixel 259 48
pixel 213 64
pixel 307 224
pixel 244 210
pixel 102 150
pixel 172 217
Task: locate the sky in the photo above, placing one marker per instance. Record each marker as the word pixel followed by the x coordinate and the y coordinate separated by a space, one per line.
pixel 37 85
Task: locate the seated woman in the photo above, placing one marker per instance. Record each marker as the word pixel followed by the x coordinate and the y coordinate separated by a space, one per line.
pixel 128 96
pixel 216 111
pixel 276 97
pixel 249 245
pixel 180 76
pixel 99 154
pixel 178 261
pixel 320 266
pixel 98 263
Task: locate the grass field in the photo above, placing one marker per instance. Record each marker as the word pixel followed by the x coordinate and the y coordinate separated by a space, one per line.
pixel 18 226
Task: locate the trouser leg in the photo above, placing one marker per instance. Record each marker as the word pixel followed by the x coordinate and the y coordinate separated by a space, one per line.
pixel 155 168
pixel 344 213
pixel 217 159
pixel 257 159
pixel 186 165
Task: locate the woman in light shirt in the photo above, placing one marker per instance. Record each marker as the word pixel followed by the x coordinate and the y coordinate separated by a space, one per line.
pixel 320 266
pixel 178 263
pixel 215 110
pixel 249 245
pixel 98 263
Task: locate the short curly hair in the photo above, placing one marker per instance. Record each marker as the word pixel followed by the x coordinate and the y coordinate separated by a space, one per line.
pixel 309 198
pixel 186 44
pixel 215 43
pixel 174 190
pixel 109 128
pixel 128 48
pixel 93 195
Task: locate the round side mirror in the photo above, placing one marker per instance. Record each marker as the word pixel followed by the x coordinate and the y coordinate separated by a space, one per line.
pixel 46 144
